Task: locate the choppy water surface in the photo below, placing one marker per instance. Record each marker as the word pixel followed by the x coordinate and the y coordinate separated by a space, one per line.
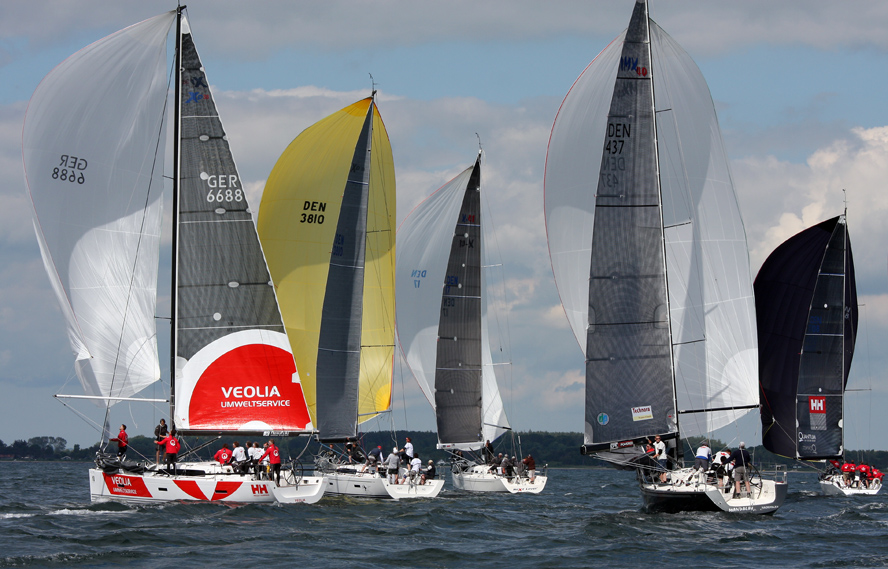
pixel 584 518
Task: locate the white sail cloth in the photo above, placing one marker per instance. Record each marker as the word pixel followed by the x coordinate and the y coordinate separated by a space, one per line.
pixel 710 286
pixel 93 151
pixel 424 241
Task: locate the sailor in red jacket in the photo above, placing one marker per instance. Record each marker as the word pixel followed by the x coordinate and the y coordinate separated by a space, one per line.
pixel 171 444
pixel 848 472
pixel 223 455
pixel 863 470
pixel 122 441
pixel 274 459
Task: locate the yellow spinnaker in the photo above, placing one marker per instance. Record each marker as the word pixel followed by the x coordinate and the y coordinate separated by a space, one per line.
pixel 297 224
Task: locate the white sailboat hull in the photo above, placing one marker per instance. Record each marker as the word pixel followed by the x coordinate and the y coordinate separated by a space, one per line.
pixel 408 489
pixel 479 479
pixel 366 484
pixel 689 491
pixel 835 486
pixel 214 485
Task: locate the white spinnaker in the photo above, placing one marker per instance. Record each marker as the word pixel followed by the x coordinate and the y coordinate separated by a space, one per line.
pixel 707 259
pixel 424 241
pixel 98 117
pixel 710 285
pixel 577 138
pixel 493 414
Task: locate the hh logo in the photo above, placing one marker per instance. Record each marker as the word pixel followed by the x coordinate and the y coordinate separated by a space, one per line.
pixel 817 404
pixel 259 489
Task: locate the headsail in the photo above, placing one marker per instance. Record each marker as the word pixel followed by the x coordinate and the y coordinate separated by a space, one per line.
pixel 93 151
pixel 234 368
pixel 806 305
pixel 327 226
pixel 664 179
pixel 443 311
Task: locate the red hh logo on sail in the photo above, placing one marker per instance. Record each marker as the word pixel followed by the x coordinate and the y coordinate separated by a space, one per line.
pixel 817 404
pixel 642 413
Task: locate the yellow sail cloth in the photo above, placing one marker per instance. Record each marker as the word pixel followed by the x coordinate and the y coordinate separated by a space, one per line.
pixel 297 225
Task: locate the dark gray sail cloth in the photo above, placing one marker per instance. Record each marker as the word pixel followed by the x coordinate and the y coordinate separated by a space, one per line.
pixel 458 361
pixel 339 342
pixel 806 307
pixel 629 380
pixel 223 283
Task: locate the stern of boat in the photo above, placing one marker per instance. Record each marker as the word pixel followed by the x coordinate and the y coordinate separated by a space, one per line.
pixel 309 490
pixel 408 489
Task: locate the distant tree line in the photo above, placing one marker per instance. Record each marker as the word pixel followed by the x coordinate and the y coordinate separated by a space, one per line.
pixel 555 449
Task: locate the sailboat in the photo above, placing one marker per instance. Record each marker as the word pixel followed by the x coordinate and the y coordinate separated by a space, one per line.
pixel 93 148
pixel 443 318
pixel 806 308
pixel 326 223
pixel 651 263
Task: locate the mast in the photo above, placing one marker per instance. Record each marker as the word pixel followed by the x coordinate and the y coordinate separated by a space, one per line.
pixel 177 170
pixel 844 221
pixel 663 234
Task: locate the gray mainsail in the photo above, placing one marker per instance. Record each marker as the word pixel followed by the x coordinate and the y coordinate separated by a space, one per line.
pixel 458 388
pixel 234 370
pixel 339 342
pixel 629 378
pixel 223 282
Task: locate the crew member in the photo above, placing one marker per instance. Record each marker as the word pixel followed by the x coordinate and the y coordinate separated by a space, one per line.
pixel 122 442
pixel 171 444
pixel 274 459
pixel 223 455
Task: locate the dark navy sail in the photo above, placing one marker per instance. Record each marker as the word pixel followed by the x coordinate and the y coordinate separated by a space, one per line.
pixel 629 378
pixel 806 306
pixel 339 342
pixel 458 398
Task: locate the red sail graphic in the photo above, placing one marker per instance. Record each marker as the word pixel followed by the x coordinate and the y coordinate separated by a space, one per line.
pixel 253 382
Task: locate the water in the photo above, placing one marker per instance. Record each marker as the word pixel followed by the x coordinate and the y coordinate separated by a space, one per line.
pixel 584 518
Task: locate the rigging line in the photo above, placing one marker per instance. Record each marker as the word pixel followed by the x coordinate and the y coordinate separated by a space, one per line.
pixel 157 146
pixel 83 416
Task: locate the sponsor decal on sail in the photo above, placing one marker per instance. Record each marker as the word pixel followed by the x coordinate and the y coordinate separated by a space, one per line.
pixel 642 413
pixel 817 409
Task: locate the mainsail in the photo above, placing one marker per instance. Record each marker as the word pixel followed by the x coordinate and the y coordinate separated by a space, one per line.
pixel 443 311
pixel 234 368
pixel 93 151
pixel 806 306
pixel 94 171
pixel 651 261
pixel 327 227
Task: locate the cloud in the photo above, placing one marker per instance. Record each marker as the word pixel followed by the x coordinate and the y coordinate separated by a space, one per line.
pixel 779 198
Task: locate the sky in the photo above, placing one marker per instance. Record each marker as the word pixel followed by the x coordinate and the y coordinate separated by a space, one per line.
pixel 798 85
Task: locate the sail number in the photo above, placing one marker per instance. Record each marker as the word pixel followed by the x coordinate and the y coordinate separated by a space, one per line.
pixel 70 169
pixel 223 188
pixel 225 196
pixel 314 217
pixel 338 244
